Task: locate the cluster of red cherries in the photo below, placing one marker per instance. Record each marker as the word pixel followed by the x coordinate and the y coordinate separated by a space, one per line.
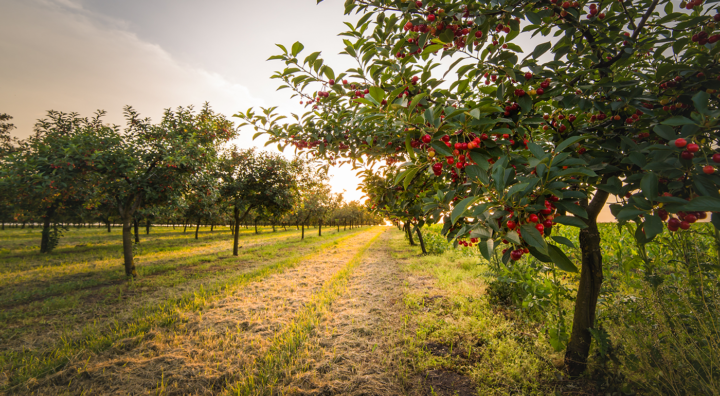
pixel 542 222
pixel 683 219
pixel 463 242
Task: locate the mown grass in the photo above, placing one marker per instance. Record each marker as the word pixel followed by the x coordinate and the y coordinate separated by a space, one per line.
pixel 164 287
pixel 458 329
pixel 283 352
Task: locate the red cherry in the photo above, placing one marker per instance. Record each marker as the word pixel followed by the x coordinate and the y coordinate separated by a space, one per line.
pixel 686 155
pixel 716 156
pixel 709 169
pixel 548 223
pixel 511 224
pixel 690 218
pixel 528 75
pixel 674 223
pixel 540 228
pixel 427 139
pixel 431 18
pixel 478 34
pixel 680 143
pixel 684 225
pixel 693 148
pixel 533 218
pixel 516 254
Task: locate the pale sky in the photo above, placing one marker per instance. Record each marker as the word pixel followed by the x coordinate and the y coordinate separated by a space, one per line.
pixel 84 55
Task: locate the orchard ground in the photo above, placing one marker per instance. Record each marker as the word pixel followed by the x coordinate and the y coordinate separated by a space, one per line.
pixel 356 312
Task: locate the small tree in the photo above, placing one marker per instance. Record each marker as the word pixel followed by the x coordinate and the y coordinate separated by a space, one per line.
pixel 149 164
pixel 49 174
pixel 257 180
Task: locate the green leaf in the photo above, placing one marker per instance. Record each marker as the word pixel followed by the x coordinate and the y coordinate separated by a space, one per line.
pixel 441 149
pixel 649 186
pixel 516 188
pixel 540 256
pixel 377 93
pixel 432 48
pixel 533 238
pixel 513 237
pixel 460 208
pixel 409 177
pixel 416 99
pixel 665 132
pixel 567 142
pixel 541 49
pixel 629 213
pixel 652 226
pixel 575 209
pixel 678 120
pixel 486 248
pixel 296 48
pixel 703 204
pixel 525 103
pixel 701 102
pixel 408 146
pixel 570 221
pixel 563 240
pixel 560 259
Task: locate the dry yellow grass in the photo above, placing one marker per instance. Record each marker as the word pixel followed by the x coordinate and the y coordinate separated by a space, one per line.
pixel 203 351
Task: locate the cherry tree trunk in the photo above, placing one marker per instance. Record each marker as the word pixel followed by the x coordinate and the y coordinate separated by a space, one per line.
pixel 128 247
pixel 591 278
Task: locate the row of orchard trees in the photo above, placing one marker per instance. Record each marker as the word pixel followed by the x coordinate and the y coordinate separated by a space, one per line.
pixel 180 170
pixel 500 144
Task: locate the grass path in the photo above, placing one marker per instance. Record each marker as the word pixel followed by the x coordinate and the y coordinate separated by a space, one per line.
pixel 357 347
pixel 202 341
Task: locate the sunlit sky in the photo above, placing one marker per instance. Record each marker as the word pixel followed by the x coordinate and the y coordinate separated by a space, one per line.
pixel 85 55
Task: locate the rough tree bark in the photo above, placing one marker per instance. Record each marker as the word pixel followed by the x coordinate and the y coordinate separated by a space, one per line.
pixel 238 219
pixel 137 235
pixel 591 278
pixel 197 229
pixel 420 238
pixel 45 238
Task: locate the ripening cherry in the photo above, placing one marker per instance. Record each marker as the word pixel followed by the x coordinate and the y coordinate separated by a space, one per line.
pixel 528 76
pixel 547 223
pixel 511 224
pixel 684 225
pixel 533 218
pixel 540 228
pixel 708 169
pixel 478 34
pixel 431 18
pixel 693 148
pixel 690 218
pixel 516 255
pixel 680 142
pixel 427 139
pixel 663 214
pixel 674 223
pixel 716 156
pixel 686 155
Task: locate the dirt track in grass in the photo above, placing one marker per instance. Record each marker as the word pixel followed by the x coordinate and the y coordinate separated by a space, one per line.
pixel 357 348
pixel 211 348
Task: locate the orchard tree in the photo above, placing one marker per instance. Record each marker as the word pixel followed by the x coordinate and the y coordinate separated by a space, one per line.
pixel 50 173
pixel 623 100
pixel 257 180
pixel 150 164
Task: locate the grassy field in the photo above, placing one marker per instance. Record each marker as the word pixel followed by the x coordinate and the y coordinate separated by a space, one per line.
pixel 356 312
